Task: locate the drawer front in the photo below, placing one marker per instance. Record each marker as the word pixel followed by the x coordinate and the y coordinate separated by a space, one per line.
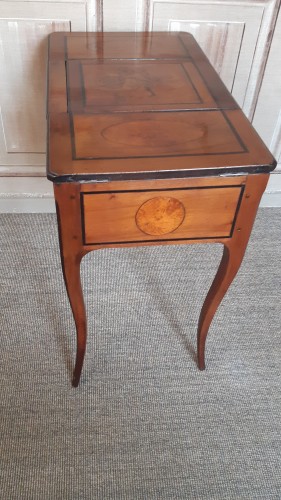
pixel 159 215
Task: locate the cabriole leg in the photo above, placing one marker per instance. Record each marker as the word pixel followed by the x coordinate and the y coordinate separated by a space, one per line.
pixel 71 247
pixel 234 250
pixel 71 272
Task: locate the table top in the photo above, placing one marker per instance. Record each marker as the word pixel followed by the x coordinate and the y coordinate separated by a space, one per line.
pixel 142 106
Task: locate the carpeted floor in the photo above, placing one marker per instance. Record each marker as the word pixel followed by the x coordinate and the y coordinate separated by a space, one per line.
pixel 144 423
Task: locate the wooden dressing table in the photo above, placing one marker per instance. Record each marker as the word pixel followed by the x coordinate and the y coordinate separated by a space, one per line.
pixel 147 147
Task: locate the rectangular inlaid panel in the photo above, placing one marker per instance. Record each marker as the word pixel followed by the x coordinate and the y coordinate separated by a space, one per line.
pixel 157 215
pixel 137 82
pixel 135 85
pixel 153 134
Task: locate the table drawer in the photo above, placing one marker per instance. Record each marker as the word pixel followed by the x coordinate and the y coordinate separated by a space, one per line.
pixel 159 215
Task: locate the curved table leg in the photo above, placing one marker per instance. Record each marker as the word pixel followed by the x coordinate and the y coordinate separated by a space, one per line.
pixel 71 273
pixel 227 271
pixel 234 250
pixel 71 248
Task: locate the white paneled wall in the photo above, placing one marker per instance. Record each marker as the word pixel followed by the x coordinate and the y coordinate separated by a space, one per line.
pixel 267 118
pixel 24 27
pixel 242 38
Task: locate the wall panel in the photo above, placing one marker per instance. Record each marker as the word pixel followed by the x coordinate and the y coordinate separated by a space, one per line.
pixel 24 27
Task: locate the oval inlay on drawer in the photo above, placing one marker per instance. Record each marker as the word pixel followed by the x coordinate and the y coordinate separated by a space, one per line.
pixel 160 215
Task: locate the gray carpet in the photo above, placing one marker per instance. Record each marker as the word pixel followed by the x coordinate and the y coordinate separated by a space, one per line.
pixel 144 423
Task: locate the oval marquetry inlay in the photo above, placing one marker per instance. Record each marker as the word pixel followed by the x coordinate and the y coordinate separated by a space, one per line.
pixel 154 134
pixel 160 216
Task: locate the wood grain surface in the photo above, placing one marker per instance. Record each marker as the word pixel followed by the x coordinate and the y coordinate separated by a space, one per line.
pixel 160 215
pixel 127 105
pixel 150 135
pixel 117 217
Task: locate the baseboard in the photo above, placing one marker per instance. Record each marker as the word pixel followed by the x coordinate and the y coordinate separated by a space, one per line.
pixel 27 205
pixel 26 195
pixel 35 194
pixel 272 195
pixel 271 200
